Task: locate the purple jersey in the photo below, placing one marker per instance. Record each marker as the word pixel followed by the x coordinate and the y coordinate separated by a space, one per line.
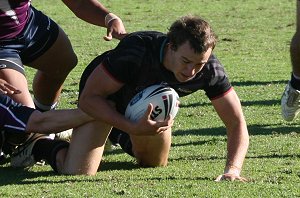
pixel 13 116
pixel 13 17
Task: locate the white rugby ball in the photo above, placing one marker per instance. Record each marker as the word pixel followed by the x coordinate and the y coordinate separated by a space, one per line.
pixel 164 99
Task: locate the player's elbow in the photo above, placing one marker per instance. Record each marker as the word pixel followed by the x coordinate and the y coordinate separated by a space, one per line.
pixel 83 102
pixel 35 122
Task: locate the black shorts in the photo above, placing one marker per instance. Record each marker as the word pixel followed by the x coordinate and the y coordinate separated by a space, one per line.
pixel 13 120
pixel 36 38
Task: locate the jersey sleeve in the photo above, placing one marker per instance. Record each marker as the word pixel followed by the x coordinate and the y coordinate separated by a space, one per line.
pixel 124 62
pixel 218 83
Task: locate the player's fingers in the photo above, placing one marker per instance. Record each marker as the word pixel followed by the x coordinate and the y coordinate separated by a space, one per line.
pixel 17 91
pixel 225 177
pixel 9 89
pixel 160 130
pixel 12 90
pixel 242 179
pixel 6 90
pixel 219 178
pixel 3 91
pixel 169 118
pixel 108 36
pixel 164 128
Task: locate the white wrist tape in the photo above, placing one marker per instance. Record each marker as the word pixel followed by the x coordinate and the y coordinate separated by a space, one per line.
pixel 109 17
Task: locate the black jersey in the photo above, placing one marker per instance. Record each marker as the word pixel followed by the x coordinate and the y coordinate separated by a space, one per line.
pixel 137 62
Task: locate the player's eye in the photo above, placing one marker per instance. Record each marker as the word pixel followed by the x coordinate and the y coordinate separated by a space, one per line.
pixel 186 61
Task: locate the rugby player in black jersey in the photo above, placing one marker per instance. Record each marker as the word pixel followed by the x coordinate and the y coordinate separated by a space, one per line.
pixel 183 59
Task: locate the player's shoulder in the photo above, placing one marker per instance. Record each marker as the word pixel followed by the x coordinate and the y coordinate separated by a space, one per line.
pixel 143 37
pixel 214 64
pixel 213 69
pixel 214 61
pixel 146 34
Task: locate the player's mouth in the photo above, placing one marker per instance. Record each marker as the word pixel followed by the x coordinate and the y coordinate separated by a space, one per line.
pixel 185 78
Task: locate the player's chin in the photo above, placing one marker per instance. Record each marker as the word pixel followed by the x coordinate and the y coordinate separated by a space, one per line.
pixel 183 78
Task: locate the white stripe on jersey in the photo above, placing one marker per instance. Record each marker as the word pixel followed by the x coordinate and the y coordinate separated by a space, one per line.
pixel 18 120
pixel 2 59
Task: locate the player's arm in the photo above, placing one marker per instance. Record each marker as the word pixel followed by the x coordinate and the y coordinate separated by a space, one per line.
pixel 56 120
pixel 92 11
pixel 229 110
pixel 93 101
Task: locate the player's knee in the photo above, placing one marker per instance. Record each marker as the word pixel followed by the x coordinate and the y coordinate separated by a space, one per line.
pixel 146 160
pixel 66 66
pixel 71 64
pixel 152 163
pixel 72 171
pixel 74 62
pixel 60 159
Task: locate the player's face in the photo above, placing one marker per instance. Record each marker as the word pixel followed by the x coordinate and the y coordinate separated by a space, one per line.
pixel 185 63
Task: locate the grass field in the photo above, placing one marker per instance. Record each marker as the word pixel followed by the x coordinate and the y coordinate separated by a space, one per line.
pixel 253 45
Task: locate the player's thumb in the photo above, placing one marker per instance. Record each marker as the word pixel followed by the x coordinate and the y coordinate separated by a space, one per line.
pixel 108 36
pixel 149 111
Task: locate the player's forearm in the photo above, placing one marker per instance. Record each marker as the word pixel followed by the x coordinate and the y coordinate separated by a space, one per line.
pixel 56 120
pixel 237 147
pixel 90 11
pixel 103 110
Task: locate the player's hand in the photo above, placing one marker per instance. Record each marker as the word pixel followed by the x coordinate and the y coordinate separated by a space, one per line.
pixel 115 29
pixel 6 88
pixel 146 126
pixel 230 177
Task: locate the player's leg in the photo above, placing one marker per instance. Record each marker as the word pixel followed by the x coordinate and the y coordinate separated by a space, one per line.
pixel 152 151
pixel 295 48
pixel 52 72
pixel 18 80
pixel 86 149
pixel 51 53
pixel 290 101
pixel 14 76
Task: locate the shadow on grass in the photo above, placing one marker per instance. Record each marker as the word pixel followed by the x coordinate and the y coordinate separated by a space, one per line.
pixel 10 176
pixel 196 158
pixel 214 157
pixel 180 178
pixel 244 103
pixel 258 83
pixel 110 166
pixel 253 130
pixel 15 176
pixel 198 142
pixel 275 155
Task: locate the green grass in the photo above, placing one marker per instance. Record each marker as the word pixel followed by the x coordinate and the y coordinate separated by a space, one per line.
pixel 253 45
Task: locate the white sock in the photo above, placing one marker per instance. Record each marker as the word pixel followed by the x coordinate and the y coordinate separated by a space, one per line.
pixel 43 107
